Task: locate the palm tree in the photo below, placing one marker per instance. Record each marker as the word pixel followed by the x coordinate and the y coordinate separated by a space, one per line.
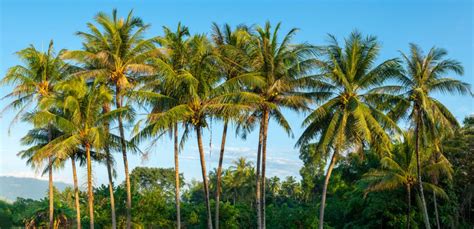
pixel 118 53
pixel 348 119
pixel 76 191
pixel 169 65
pixel 240 174
pixel 284 68
pixel 424 75
pixel 439 165
pixel 196 94
pixel 37 138
pixel 81 122
pixel 33 82
pixel 109 163
pixel 232 49
pixel 399 171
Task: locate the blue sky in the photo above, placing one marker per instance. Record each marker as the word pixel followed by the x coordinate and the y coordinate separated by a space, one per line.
pixel 446 24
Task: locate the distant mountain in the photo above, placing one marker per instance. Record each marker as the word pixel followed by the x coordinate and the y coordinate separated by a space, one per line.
pixel 13 187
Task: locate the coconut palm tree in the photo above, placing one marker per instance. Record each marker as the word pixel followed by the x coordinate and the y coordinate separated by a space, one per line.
pixel 423 76
pixel 348 119
pixel 37 138
pixel 109 163
pixel 285 69
pixel 118 52
pixel 169 65
pixel 232 48
pixel 33 81
pixel 240 174
pixel 399 171
pixel 81 122
pixel 196 94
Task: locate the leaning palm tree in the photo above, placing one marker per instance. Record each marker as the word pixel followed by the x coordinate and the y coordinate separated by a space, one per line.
pixel 118 52
pixel 348 119
pixel 232 48
pixel 81 122
pixel 33 82
pixel 285 69
pixel 423 76
pixel 399 171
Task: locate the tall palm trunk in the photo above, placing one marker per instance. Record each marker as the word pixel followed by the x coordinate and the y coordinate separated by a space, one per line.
pixel 176 175
pixel 76 193
pixel 118 100
pixel 264 163
pixel 89 186
pixel 111 188
pixel 409 206
pixel 204 176
pixel 436 211
pixel 257 188
pixel 105 109
pixel 325 188
pixel 51 195
pixel 418 166
pixel 50 180
pixel 219 174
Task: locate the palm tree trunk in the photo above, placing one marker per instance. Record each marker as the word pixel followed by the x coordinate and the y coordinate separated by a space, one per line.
pixel 89 186
pixel 105 109
pixel 325 188
pixel 111 188
pixel 51 194
pixel 418 167
pixel 118 98
pixel 204 176
pixel 219 173
pixel 257 188
pixel 176 174
pixel 264 163
pixel 76 193
pixel 436 211
pixel 409 206
pixel 50 180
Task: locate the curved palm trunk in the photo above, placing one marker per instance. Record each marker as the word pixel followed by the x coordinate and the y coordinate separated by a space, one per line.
pixel 76 193
pixel 204 176
pixel 264 163
pixel 325 188
pixel 409 206
pixel 118 98
pixel 257 188
pixel 436 211
pixel 219 174
pixel 176 175
pixel 418 167
pixel 51 195
pixel 111 188
pixel 89 186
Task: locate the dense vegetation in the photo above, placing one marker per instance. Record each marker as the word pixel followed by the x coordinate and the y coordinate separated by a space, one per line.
pixel 83 103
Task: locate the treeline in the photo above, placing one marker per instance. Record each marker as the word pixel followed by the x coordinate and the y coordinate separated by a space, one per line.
pixel 81 104
pixel 290 204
